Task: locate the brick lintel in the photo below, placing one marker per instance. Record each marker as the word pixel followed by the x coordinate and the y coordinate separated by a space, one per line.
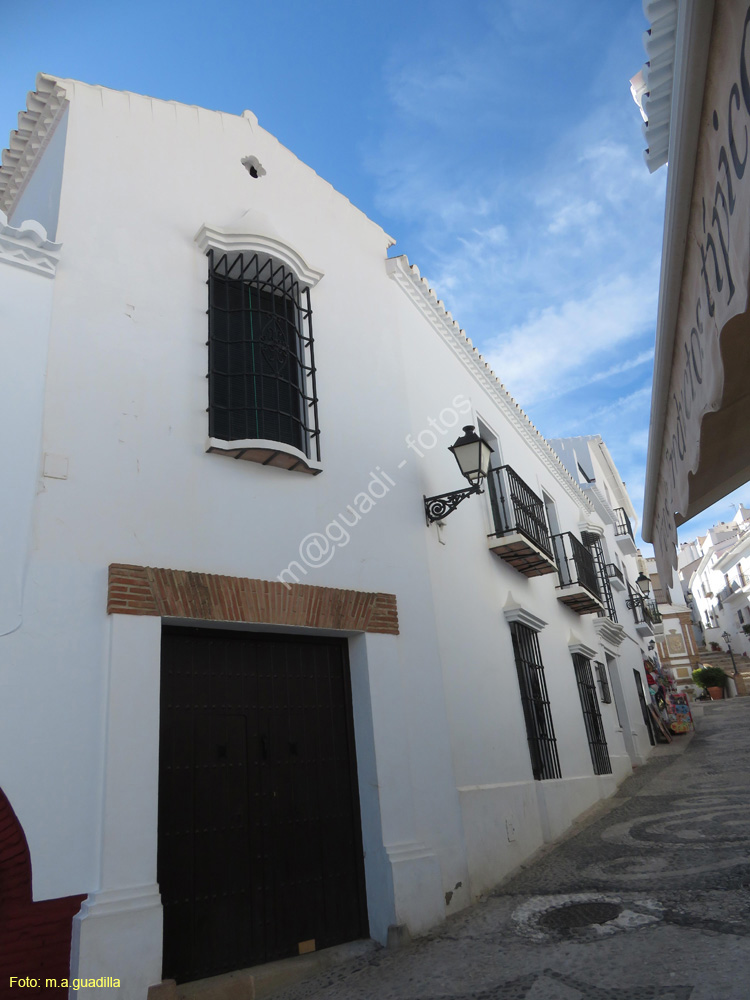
pixel 172 593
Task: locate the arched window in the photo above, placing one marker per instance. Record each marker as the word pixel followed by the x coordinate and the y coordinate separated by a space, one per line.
pixel 262 400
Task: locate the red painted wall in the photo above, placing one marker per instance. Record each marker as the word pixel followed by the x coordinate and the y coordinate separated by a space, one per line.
pixel 34 937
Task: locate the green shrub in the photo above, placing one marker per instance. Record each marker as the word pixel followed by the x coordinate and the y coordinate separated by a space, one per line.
pixel 710 677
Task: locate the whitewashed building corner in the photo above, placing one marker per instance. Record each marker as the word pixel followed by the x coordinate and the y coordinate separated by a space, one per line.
pixel 265 705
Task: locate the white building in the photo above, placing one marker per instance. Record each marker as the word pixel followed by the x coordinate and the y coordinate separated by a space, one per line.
pixel 715 571
pixel 676 643
pixel 631 622
pixel 249 694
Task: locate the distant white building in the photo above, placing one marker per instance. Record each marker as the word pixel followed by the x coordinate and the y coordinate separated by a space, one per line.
pixel 632 622
pixel 255 702
pixel 715 574
pixel 676 644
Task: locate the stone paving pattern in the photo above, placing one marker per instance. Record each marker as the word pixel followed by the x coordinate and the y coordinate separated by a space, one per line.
pixel 669 854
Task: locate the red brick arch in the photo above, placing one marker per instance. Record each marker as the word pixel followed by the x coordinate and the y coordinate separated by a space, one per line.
pixel 34 937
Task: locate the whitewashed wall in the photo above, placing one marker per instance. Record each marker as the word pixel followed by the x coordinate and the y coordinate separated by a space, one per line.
pixel 437 709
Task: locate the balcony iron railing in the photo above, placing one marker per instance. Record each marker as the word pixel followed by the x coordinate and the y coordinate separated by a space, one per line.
pixel 516 508
pixel 729 591
pixel 644 612
pixel 594 544
pixel 635 603
pixel 622 523
pixel 615 573
pixel 651 612
pixel 575 564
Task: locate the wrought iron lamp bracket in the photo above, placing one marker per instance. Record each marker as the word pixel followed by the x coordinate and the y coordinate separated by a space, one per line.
pixel 636 601
pixel 437 508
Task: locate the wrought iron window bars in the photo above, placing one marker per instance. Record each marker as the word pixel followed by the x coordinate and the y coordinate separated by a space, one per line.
pixel 540 732
pixel 604 688
pixel 592 718
pixel 261 364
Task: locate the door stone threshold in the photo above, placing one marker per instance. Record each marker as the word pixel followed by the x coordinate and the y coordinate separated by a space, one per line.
pixel 263 980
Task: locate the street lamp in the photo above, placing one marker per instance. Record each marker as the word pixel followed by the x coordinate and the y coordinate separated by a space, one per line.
pixel 473 456
pixel 726 637
pixel 639 600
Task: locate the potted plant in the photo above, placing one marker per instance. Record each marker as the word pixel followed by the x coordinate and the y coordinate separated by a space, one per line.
pixel 746 628
pixel 711 679
pixel 715 647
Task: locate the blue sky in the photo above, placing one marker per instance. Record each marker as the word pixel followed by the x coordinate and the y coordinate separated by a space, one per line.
pixel 497 142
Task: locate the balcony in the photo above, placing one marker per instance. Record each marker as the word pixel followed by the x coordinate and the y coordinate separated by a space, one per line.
pixel 593 543
pixel 624 532
pixel 578 588
pixel 521 535
pixel 653 616
pixel 731 592
pixel 616 579
pixel 646 615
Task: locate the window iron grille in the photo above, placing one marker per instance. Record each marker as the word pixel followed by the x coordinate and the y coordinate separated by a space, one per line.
pixel 261 364
pixel 540 731
pixel 615 573
pixel 603 680
pixel 516 508
pixel 592 718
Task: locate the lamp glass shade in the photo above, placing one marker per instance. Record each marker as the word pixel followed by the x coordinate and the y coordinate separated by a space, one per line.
pixel 472 454
pixel 726 636
pixel 644 584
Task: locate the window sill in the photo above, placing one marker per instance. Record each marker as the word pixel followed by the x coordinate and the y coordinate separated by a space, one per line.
pixel 273 453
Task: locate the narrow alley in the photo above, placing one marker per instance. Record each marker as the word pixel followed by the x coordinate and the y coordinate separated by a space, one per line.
pixel 647 900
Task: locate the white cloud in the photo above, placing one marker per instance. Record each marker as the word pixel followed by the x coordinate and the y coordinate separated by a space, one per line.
pixel 622 367
pixel 540 356
pixel 543 236
pixel 574 214
pixel 633 402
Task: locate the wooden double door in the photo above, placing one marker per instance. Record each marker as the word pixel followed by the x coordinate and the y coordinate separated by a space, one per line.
pixel 260 845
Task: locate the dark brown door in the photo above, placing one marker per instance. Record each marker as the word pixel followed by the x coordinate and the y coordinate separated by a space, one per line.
pixel 260 845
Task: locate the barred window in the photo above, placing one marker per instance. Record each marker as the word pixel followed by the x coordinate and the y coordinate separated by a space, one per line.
pixel 261 366
pixel 540 732
pixel 592 719
pixel 603 681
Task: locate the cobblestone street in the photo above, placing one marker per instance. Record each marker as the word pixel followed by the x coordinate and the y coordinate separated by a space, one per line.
pixel 650 899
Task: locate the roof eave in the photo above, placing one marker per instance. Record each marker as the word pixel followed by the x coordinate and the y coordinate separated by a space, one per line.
pixel 693 38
